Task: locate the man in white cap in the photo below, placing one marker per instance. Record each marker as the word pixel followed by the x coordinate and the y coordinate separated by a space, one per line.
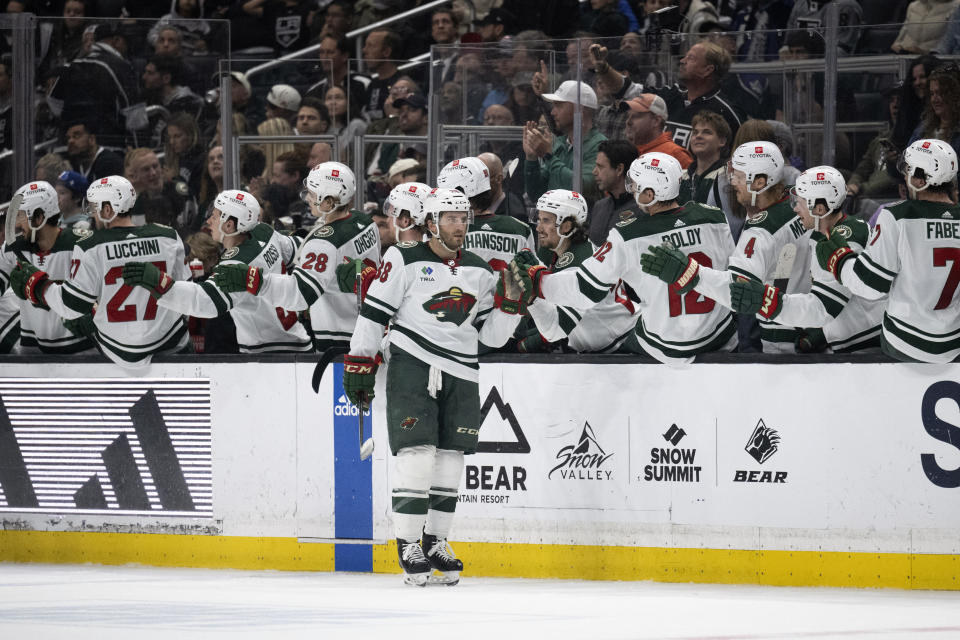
pixel 283 101
pixel 550 158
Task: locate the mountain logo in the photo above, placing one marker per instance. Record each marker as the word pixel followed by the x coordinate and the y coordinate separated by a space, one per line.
pixel 583 460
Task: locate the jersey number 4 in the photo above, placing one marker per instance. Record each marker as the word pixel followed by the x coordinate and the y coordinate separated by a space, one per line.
pixel 119 312
pixel 692 302
pixel 941 257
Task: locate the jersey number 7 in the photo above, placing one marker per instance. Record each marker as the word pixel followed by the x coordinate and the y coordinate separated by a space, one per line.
pixel 119 312
pixel 941 257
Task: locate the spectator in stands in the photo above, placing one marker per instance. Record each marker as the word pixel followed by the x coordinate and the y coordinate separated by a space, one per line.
pixel 71 191
pixel 283 102
pixel 319 152
pixel 289 20
pixel 603 18
pixel 925 25
pixel 402 87
pixel 646 127
pixel 337 20
pixel 503 202
pixel 282 192
pixel 183 155
pixel 338 52
pixel 6 104
pixel 381 49
pixel 187 17
pixel 444 31
pixel 941 115
pixel 870 180
pixel 614 86
pixel 163 84
pixel 913 95
pixel 950 42
pixel 87 156
pixel 49 167
pixel 579 46
pixel 758 22
pixel 313 119
pixel 522 101
pixel 102 85
pixel 211 181
pixel 241 127
pixel 549 157
pixel 66 41
pixel 495 25
pixel 164 202
pixel 793 164
pixel 614 158
pixel 811 14
pixel 273 150
pixel 700 71
pixel 412 121
pixel 528 49
pixel 710 145
pixel 168 42
pixel 345 120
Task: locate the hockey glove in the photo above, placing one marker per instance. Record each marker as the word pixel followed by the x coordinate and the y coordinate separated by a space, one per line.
pixel 29 283
pixel 752 297
pixel 359 378
pixel 82 326
pixel 811 341
pixel 672 266
pixel 509 296
pixel 527 274
pixel 832 252
pixel 148 276
pixel 347 276
pixel 533 343
pixel 237 278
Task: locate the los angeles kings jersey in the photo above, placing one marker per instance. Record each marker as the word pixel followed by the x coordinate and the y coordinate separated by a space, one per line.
pixel 131 326
pixel 600 329
pixel 43 328
pixel 850 322
pixel 313 284
pixel 497 239
pixel 672 328
pixel 437 310
pixel 913 257
pixel 261 326
pixel 774 248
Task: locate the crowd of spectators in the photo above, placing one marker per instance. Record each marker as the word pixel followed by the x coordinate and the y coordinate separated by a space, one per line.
pixel 132 88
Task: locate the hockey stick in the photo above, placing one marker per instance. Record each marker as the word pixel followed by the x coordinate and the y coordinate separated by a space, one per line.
pixel 366 446
pixel 10 226
pixel 325 359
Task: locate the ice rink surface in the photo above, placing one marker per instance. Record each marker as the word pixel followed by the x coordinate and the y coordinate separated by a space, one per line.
pixel 138 603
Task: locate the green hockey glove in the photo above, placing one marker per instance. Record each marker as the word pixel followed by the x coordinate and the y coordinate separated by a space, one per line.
pixel 237 278
pixel 832 252
pixel 672 266
pixel 29 283
pixel 752 297
pixel 82 326
pixel 148 276
pixel 509 296
pixel 359 378
pixel 347 275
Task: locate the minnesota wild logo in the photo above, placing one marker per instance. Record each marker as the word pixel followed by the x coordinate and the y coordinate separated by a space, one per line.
pixel 450 306
pixel 409 423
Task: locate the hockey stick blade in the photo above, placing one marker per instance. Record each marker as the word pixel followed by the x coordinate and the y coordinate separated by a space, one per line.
pixel 328 356
pixel 10 224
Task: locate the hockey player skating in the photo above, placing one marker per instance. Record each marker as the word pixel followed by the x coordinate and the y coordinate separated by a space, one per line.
pixel 494 238
pixel 561 227
pixel 44 245
pixel 913 257
pixel 340 234
pixel 849 322
pixel 773 249
pixel 129 326
pixel 440 302
pixel 261 327
pixel 675 323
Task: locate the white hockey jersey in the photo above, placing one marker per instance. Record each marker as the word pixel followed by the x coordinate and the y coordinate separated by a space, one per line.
pixel 600 329
pixel 849 322
pixel 497 239
pixel 313 285
pixel 673 328
pixel 437 310
pixel 774 248
pixel 9 321
pixel 43 328
pixel 914 258
pixel 261 326
pixel 131 326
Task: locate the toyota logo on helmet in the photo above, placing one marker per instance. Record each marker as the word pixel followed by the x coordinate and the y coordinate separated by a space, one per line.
pixel 926 145
pixel 655 163
pixel 240 197
pixel 820 176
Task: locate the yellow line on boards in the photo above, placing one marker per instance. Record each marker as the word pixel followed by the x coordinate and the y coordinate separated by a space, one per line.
pixel 508 560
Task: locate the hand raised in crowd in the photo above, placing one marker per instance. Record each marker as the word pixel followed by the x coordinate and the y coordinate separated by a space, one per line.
pixel 536 142
pixel 540 79
pixel 598 58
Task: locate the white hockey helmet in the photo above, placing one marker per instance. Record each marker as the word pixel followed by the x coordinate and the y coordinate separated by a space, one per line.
pixel 443 200
pixel 819 183
pixel 240 205
pixel 116 190
pixel 937 159
pixel 564 204
pixel 332 179
pixel 657 171
pixel 38 196
pixel 469 175
pixel 407 196
pixel 758 158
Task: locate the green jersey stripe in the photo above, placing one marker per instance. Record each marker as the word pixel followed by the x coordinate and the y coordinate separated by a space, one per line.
pixel 882 271
pixel 220 300
pixel 372 313
pixel 939 346
pixel 138 353
pixel 460 358
pixel 116 346
pixel 833 306
pixel 9 333
pixel 309 288
pixel 687 346
pixel 867 339
pixel 380 303
pixel 594 280
pixel 277 347
pixel 80 305
pixel 77 293
pixel 870 278
pixel 743 274
pixel 934 337
pixel 568 320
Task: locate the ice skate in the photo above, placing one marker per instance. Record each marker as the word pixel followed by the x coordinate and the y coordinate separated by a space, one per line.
pixel 416 568
pixel 441 558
